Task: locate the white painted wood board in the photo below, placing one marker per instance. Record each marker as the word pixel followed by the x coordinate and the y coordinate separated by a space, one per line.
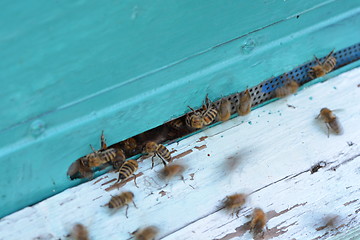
pixel 276 145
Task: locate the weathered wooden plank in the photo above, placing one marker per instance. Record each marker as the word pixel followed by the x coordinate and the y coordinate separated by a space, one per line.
pixel 276 146
pixel 223 69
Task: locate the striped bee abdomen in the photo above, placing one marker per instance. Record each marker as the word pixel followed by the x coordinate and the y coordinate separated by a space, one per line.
pixel 127 169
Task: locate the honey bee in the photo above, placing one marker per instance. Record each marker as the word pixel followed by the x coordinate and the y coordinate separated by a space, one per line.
pixel 130 145
pixel 330 120
pixel 224 111
pixel 205 116
pixel 98 158
pixel 79 232
pixel 128 169
pixel 173 170
pixel 245 103
pixel 289 87
pixel 323 67
pixel 122 200
pixel 176 124
pixel 148 233
pixel 234 203
pixel 258 221
pixel 152 149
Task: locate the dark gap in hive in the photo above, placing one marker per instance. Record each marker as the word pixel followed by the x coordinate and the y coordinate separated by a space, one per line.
pixel 261 93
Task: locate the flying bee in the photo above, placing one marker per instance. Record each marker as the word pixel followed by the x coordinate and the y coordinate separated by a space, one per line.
pixel 148 233
pixel 289 87
pixel 330 120
pixel 245 103
pixel 122 200
pixel 79 232
pixel 258 221
pixel 173 170
pixel 224 111
pixel 323 67
pixel 127 170
pixel 152 149
pixel 203 117
pixel 234 203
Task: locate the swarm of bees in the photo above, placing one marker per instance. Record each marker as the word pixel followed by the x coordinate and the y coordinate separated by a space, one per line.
pixel 148 143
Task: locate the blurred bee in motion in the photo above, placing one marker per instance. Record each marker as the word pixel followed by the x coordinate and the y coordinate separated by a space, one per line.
pixel 147 233
pixel 329 221
pixel 323 67
pixel 98 158
pixel 127 170
pixel 173 170
pixel 234 202
pixel 331 121
pixel 122 200
pixel 152 149
pixel 79 232
pixel 203 117
pixel 258 222
pixel 245 103
pixel 224 110
pixel 289 87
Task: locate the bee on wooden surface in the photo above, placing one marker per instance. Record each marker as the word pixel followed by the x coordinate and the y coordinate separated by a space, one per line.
pixel 245 103
pixel 289 87
pixel 323 67
pixel 127 170
pixel 330 120
pixel 152 149
pixel 199 119
pixel 147 233
pixel 234 203
pixel 79 232
pixel 258 221
pixel 122 200
pixel 173 170
pixel 224 111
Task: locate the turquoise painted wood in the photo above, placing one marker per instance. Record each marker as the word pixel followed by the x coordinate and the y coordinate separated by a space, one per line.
pixel 73 68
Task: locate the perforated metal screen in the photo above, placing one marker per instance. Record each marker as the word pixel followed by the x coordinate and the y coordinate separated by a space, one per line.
pixel 265 90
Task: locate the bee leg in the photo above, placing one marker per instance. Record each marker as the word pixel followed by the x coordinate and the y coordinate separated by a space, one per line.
pixel 127 207
pixel 135 180
pixel 92 148
pixel 318 116
pixel 152 160
pixel 134 204
pixel 317 60
pixel 182 178
pixel 237 213
pixel 103 141
pixel 328 128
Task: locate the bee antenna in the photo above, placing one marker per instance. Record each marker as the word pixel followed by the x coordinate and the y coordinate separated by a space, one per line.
pixel 92 148
pixel 191 109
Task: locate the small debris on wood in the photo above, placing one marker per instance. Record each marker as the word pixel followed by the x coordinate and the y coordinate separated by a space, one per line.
pixel 183 154
pixel 202 138
pixel 192 176
pixel 105 183
pixel 201 147
pixel 358 85
pixel 162 193
pixel 348 203
pixel 291 106
pixel 350 143
pixel 316 167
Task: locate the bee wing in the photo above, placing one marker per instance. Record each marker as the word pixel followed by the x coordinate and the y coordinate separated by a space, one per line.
pixel 74 169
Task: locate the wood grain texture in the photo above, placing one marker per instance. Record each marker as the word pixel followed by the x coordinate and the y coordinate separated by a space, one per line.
pixel 80 76
pixel 275 148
